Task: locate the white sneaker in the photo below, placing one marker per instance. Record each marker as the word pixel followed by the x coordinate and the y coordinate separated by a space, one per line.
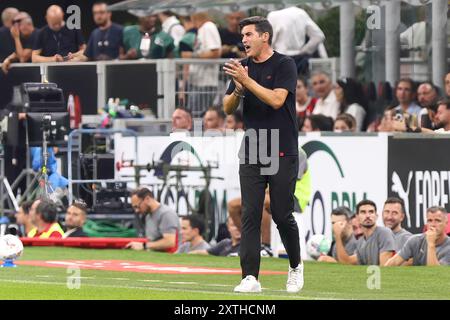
pixel 248 284
pixel 295 279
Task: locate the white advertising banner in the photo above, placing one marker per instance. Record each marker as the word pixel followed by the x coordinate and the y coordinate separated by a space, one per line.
pixel 344 171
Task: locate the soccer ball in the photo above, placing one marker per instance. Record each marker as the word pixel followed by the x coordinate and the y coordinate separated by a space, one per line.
pixel 11 247
pixel 318 245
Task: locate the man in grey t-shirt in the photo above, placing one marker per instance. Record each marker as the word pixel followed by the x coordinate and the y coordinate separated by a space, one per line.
pixel 375 246
pixel 192 228
pixel 162 223
pixel 393 216
pixel 431 248
pixel 345 215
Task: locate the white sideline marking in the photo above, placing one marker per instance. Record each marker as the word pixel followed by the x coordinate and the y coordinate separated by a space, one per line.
pixel 294 297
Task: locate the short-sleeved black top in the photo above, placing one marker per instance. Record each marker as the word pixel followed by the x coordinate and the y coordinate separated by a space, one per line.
pixel 279 71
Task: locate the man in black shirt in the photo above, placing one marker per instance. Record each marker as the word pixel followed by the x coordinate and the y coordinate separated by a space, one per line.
pixel 266 80
pixel 230 36
pixel 6 40
pixel 105 42
pixel 24 35
pixel 56 42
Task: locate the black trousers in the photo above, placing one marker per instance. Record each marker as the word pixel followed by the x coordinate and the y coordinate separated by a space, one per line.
pixel 281 188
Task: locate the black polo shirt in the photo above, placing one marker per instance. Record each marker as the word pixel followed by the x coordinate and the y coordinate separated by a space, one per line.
pixel 6 43
pixel 279 71
pixel 61 42
pixel 105 44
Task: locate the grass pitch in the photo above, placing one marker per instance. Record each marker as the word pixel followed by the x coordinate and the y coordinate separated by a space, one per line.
pixel 322 281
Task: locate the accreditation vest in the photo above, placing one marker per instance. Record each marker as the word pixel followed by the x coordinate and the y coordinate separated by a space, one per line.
pixel 54 227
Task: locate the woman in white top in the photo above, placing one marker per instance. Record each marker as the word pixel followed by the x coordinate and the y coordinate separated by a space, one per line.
pixel 350 95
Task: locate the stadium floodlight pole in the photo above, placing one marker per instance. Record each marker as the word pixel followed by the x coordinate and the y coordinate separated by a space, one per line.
pixel 392 41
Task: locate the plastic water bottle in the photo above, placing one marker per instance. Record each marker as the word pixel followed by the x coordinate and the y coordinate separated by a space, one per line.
pixel 145 45
pixel 19 195
pixel 71 110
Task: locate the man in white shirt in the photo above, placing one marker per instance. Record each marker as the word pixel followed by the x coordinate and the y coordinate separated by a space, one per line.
pixel 291 26
pixel 204 79
pixel 171 25
pixel 327 103
pixel 443 117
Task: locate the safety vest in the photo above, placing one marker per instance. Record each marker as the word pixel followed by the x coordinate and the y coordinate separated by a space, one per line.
pixel 54 227
pixel 303 190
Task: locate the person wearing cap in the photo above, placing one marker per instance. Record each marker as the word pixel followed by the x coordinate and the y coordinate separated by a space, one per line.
pixel 344 215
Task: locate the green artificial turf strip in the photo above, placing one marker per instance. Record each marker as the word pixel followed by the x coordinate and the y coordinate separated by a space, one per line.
pixel 322 280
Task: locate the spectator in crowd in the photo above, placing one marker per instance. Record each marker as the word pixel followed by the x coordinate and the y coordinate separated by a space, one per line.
pixel 187 42
pixel 162 224
pixel 192 228
pixel 24 35
pixel 181 119
pixel 318 122
pixel 447 85
pixel 214 119
pixel 304 104
pixel 106 41
pixel 235 121
pixel 226 247
pixel 341 215
pixel 230 36
pixel 427 95
pixel 185 50
pixel 350 96
pixel 386 123
pixel 75 219
pixel 327 103
pixel 23 218
pixel 136 46
pixel 431 248
pixel 443 117
pixel 405 92
pixel 204 79
pixel 6 39
pixel 172 26
pixel 291 28
pixel 345 123
pixel 375 246
pixel 56 42
pixel 393 216
pixel 43 214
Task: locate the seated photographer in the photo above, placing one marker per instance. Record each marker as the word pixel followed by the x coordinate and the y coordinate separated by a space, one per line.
pixel 43 214
pixel 75 219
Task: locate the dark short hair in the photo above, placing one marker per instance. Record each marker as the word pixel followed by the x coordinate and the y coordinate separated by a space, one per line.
pixel 100 2
pixel 218 110
pixel 321 122
pixel 188 111
pixel 196 222
pixel 237 115
pixel 261 25
pixel 343 211
pixel 48 211
pixel 142 193
pixel 445 102
pixel 81 205
pixel 394 200
pixel 303 81
pixel 365 202
pixel 435 209
pixel 411 82
pixel 26 206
